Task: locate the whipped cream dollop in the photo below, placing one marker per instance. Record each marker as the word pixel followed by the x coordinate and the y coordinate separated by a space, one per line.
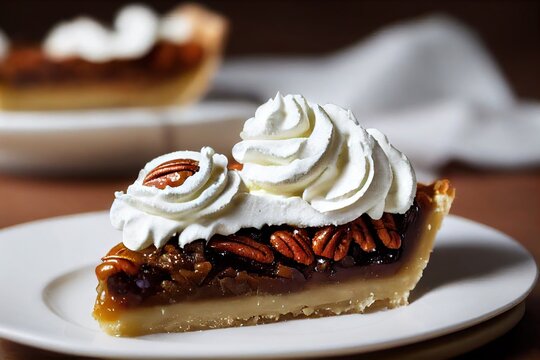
pixel 175 27
pixel 148 215
pixel 321 154
pixel 303 165
pixel 4 45
pixel 135 31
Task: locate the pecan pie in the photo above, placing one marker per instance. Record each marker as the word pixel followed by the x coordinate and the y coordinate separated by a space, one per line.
pixel 143 61
pixel 206 245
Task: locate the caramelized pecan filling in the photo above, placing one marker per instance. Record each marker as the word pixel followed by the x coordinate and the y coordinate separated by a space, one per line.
pixel 27 66
pixel 272 260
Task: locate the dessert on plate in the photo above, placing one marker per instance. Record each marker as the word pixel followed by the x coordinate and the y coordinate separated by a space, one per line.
pixel 143 60
pixel 320 217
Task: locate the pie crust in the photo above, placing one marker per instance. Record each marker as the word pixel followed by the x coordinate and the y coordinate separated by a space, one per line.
pixel 183 87
pixel 372 287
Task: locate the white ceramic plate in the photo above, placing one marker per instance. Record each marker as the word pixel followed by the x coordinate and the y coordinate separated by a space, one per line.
pixel 90 141
pixel 47 279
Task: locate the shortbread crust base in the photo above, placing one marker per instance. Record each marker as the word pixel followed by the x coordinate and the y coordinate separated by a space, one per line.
pixel 351 296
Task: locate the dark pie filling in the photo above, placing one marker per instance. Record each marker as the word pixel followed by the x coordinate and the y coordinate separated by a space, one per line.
pixel 27 66
pixel 198 271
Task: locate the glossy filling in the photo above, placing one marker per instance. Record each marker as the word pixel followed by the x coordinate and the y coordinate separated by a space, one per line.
pixel 200 272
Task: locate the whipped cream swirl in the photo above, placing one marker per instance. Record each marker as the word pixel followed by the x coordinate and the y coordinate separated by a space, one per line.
pixel 321 154
pixel 136 29
pixel 304 165
pixel 148 215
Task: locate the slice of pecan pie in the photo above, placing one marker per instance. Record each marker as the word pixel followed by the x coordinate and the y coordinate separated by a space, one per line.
pixel 207 246
pixel 144 60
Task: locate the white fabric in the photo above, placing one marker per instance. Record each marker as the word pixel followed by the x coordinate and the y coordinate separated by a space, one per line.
pixel 429 85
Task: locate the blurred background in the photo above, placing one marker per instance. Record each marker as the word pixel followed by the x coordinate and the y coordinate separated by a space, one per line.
pixel 509 29
pixel 505 196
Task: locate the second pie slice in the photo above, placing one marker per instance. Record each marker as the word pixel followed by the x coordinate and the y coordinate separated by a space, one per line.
pixel 144 60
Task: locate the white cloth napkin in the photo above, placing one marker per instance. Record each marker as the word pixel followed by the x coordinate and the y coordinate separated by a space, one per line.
pixel 429 85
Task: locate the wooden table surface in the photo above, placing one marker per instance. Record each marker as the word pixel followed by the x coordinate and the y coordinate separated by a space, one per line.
pixel 508 201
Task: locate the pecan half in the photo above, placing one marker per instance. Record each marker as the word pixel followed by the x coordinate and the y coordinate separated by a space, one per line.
pixel 294 245
pixel 242 246
pixel 361 235
pixel 332 242
pixel 171 173
pixel 387 231
pixel 119 259
pixel 120 251
pixel 112 266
